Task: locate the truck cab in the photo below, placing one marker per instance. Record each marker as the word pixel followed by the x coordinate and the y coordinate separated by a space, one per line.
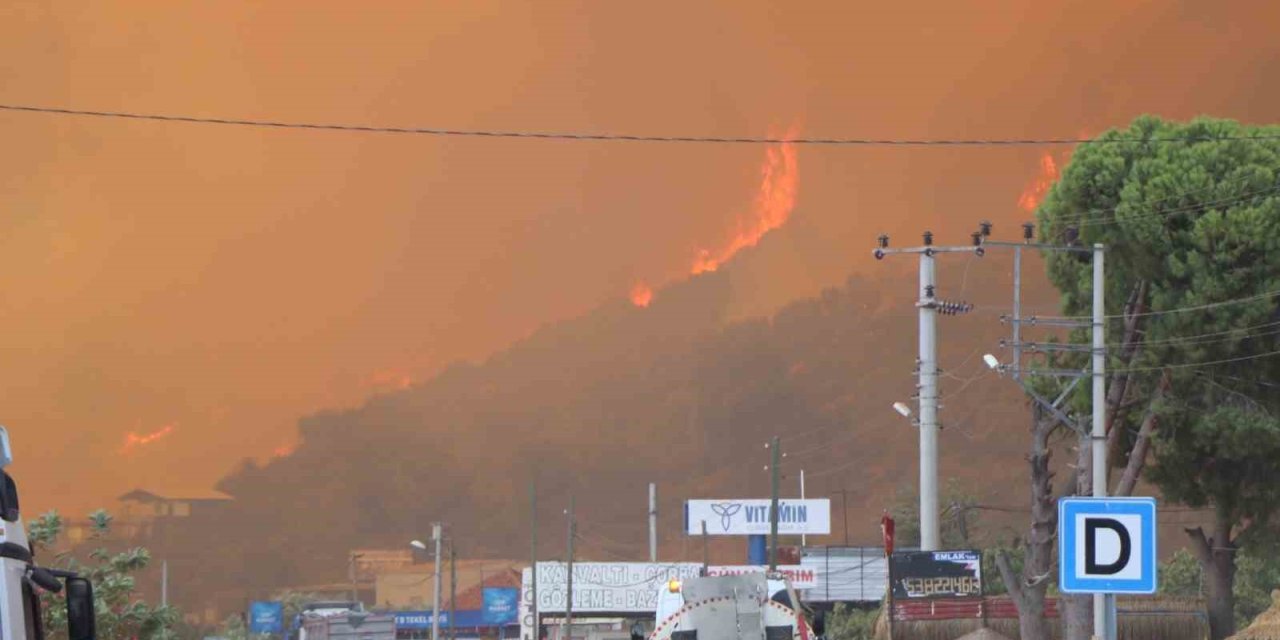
pixel 21 577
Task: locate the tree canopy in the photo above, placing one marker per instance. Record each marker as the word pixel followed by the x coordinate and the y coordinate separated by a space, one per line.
pixel 1190 230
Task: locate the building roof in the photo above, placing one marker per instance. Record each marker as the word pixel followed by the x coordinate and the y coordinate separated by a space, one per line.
pixel 473 598
pixel 142 495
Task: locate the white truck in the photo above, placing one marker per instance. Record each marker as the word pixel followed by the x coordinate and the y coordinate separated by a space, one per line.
pixel 20 617
pixel 750 606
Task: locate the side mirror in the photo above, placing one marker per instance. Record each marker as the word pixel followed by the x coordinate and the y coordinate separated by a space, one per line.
pixel 80 616
pixel 8 498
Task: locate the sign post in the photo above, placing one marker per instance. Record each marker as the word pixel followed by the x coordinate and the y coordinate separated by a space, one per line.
pixel 1107 546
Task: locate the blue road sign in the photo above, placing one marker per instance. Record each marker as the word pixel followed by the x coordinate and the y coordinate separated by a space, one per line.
pixel 266 617
pixel 1107 545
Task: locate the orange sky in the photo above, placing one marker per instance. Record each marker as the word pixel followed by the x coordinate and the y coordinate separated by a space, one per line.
pixel 221 282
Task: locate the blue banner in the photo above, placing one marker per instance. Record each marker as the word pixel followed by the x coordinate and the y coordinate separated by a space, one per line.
pixel 266 617
pixel 500 605
pixel 419 619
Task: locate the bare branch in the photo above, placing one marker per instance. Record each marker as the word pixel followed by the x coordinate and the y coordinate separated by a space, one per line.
pixel 1011 581
pixel 1138 455
pixel 1200 546
pixel 1129 350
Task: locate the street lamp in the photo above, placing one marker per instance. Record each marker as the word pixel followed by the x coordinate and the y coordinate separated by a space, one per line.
pixel 902 409
pixel 991 362
pixel 419 545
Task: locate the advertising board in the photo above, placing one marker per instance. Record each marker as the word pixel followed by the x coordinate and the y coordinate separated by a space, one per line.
pixel 752 517
pixel 801 577
pixel 935 574
pixel 599 587
pixel 266 617
pixel 499 605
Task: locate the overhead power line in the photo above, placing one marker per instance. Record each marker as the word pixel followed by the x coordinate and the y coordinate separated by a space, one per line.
pixel 1145 314
pixel 618 137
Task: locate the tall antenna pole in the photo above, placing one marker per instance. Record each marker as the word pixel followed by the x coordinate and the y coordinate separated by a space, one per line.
pixel 773 506
pixel 533 557
pixel 435 596
pixel 653 522
pixel 568 592
pixel 803 538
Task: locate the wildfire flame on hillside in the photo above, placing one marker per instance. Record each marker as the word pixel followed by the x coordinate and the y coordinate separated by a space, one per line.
pixel 1035 192
pixel 772 208
pixel 133 440
pixel 775 199
pixel 641 294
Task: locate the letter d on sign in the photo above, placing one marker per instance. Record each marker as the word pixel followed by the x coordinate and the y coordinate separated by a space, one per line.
pixel 1117 551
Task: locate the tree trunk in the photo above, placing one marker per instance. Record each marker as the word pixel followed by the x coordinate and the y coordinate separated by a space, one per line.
pixel 1217 556
pixel 1077 616
pixel 1028 589
pixel 1077 611
pixel 1028 599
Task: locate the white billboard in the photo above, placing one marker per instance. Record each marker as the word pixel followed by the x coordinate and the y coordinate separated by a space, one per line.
pixel 599 587
pixel 801 577
pixel 751 517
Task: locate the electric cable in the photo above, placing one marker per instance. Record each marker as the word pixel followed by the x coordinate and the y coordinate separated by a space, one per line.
pixel 585 136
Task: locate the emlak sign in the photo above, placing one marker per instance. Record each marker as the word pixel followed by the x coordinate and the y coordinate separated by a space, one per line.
pixel 801 577
pixel 752 517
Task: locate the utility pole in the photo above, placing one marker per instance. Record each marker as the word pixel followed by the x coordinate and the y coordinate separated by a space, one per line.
pixel 653 522
pixel 533 559
pixel 927 369
pixel 453 588
pixel 568 591
pixel 435 595
pixel 1101 602
pixel 164 583
pixel 844 513
pixel 706 554
pixel 351 575
pixel 773 505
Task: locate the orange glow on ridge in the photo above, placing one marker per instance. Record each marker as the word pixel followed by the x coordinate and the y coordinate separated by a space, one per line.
pixel 133 441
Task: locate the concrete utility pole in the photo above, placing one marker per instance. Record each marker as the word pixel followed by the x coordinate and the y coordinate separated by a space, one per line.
pixel 533 558
pixel 435 596
pixel 844 513
pixel 927 369
pixel 1101 602
pixel 164 583
pixel 351 575
pixel 653 522
pixel 568 591
pixel 773 504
